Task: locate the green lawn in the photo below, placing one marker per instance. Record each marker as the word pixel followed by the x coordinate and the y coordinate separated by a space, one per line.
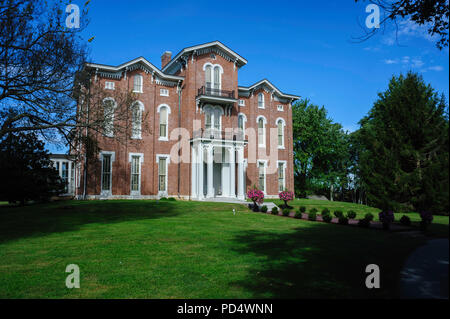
pixel 146 249
pixel 435 229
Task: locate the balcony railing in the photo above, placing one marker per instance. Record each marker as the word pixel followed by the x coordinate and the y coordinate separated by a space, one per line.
pixel 208 91
pixel 215 134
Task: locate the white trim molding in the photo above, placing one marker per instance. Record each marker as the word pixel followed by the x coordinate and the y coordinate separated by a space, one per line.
pixel 138 135
pixel 284 173
pixel 167 157
pixel 264 162
pixel 264 130
pixel 163 138
pixel 282 146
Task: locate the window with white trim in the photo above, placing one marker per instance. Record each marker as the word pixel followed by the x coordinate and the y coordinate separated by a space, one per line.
pixel 280 108
pixel 260 100
pixel 241 123
pixel 163 111
pixel 213 78
pixel 261 132
pixel 163 92
pixel 262 176
pixel 138 83
pixel 136 120
pixel 109 106
pixel 281 176
pixel 162 174
pixel 106 172
pixel 280 127
pixel 135 173
pixel 213 117
pixel 109 85
pixel 241 102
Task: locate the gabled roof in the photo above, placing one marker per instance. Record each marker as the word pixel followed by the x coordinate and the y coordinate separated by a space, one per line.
pixel 270 85
pixel 133 62
pixel 240 61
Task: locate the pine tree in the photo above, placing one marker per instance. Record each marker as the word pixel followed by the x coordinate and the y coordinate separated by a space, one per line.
pixel 404 161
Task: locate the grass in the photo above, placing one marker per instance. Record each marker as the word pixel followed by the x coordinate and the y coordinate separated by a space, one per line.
pixel 435 229
pixel 165 249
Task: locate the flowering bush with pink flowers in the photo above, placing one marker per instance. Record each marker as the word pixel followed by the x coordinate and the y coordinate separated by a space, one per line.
pixel 256 195
pixel 286 196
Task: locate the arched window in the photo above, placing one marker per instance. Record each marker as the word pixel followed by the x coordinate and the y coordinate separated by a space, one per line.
pixel 280 126
pixel 261 100
pixel 136 120
pixel 109 105
pixel 261 131
pixel 208 80
pixel 241 124
pixel 213 78
pixel 164 111
pixel 213 117
pixel 216 78
pixel 138 83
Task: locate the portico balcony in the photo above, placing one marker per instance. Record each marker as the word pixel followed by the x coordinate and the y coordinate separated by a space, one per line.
pixel 216 96
pixel 216 134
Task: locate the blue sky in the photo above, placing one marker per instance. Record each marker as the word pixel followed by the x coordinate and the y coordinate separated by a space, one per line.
pixel 303 47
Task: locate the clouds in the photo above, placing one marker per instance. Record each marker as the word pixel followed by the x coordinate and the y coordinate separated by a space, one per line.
pixel 408 29
pixel 413 63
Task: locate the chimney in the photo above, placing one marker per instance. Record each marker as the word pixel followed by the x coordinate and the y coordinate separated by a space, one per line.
pixel 165 58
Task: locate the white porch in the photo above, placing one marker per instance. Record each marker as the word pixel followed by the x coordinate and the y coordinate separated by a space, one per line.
pixel 218 169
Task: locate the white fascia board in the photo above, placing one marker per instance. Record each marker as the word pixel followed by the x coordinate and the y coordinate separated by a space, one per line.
pixel 137 60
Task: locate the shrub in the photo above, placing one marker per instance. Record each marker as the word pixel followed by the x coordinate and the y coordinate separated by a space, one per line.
pixel 298 215
pixel 405 220
pixel 386 218
pixel 369 217
pixel 313 210
pixel 302 209
pixel 427 218
pixel 172 199
pixel 325 211
pixel 338 213
pixel 343 220
pixel 275 210
pixel 256 195
pixel 351 214
pixel 364 223
pixel 286 211
pixel 327 218
pixel 312 215
pixel 264 209
pixel 286 196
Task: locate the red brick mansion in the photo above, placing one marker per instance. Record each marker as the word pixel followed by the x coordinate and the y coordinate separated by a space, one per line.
pixel 233 137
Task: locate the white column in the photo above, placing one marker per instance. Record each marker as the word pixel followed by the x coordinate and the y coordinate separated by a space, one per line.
pixel 209 164
pixel 200 171
pixel 240 174
pixel 194 172
pixel 69 175
pixel 232 172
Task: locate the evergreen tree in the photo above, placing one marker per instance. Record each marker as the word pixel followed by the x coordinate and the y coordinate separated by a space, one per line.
pixel 403 163
pixel 26 172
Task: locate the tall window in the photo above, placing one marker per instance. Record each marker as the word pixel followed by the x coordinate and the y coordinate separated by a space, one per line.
pixel 164 111
pixel 106 172
pixel 162 173
pixel 241 123
pixel 135 173
pixel 213 74
pixel 281 180
pixel 216 78
pixel 108 110
pixel 213 117
pixel 261 132
pixel 261 176
pixel 136 119
pixel 261 100
pixel 208 73
pixel 65 176
pixel 280 126
pixel 138 83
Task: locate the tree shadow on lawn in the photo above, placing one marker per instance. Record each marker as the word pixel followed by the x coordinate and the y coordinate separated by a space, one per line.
pixel 323 261
pixel 42 219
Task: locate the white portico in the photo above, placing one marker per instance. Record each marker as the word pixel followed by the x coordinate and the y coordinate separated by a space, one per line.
pixel 217 168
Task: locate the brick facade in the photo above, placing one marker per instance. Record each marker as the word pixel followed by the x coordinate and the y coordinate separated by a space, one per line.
pixel 183 76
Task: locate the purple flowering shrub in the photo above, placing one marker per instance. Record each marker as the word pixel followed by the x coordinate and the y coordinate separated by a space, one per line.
pixel 286 196
pixel 386 217
pixel 426 216
pixel 256 195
